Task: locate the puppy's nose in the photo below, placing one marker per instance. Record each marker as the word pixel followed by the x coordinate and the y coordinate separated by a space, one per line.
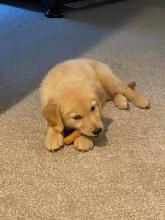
pixel 97 131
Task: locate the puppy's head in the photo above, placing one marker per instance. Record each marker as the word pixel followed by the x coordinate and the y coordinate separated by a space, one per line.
pixel 75 107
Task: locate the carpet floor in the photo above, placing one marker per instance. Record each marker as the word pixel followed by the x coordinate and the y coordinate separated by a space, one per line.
pixel 123 177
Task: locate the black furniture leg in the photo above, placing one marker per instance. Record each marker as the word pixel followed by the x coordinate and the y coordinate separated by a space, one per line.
pixel 53 8
pixel 54 12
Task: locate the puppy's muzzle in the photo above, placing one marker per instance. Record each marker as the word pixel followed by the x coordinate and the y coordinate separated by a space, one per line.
pixel 97 132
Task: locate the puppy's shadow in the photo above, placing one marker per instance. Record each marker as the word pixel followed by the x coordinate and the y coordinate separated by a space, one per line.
pixel 102 140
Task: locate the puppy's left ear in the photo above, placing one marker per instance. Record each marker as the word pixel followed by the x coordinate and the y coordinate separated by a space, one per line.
pixel 100 106
pixel 100 97
pixel 52 113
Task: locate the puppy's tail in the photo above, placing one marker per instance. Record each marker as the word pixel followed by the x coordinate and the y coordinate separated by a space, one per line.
pixel 132 85
pixel 136 98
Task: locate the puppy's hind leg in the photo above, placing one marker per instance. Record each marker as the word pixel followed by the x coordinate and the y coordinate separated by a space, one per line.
pixel 136 98
pixel 121 102
pixel 114 86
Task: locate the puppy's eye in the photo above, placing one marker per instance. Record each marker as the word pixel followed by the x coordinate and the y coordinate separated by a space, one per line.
pixel 93 108
pixel 77 117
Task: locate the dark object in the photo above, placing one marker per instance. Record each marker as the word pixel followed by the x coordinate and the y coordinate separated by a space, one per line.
pixel 54 13
pixel 54 8
pixel 68 131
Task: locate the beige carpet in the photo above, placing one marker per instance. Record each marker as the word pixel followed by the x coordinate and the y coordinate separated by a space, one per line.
pixel 123 177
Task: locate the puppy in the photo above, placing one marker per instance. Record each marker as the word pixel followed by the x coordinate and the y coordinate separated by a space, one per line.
pixel 73 94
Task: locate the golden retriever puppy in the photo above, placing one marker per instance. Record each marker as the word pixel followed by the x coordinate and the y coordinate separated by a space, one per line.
pixel 73 94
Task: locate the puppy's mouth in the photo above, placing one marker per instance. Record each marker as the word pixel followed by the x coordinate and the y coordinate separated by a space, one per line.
pixel 91 134
pixel 96 136
pixel 68 131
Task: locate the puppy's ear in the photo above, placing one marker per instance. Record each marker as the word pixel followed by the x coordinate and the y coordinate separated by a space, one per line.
pixel 52 113
pixel 100 106
pixel 100 97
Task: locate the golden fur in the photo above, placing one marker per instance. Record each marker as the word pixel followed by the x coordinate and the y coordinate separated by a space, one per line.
pixel 73 94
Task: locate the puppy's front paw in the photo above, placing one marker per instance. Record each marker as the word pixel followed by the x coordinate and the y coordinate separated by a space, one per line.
pixel 54 141
pixel 83 143
pixel 141 102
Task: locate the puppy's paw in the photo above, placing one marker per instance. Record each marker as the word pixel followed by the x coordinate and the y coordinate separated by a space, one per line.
pixel 83 143
pixel 141 102
pixel 54 141
pixel 121 102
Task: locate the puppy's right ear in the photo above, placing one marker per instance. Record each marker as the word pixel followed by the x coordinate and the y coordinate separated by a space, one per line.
pixel 52 114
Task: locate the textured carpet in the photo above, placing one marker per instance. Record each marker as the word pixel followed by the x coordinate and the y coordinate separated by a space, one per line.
pixel 123 177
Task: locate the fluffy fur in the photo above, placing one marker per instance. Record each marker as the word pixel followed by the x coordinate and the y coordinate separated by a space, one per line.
pixel 73 94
